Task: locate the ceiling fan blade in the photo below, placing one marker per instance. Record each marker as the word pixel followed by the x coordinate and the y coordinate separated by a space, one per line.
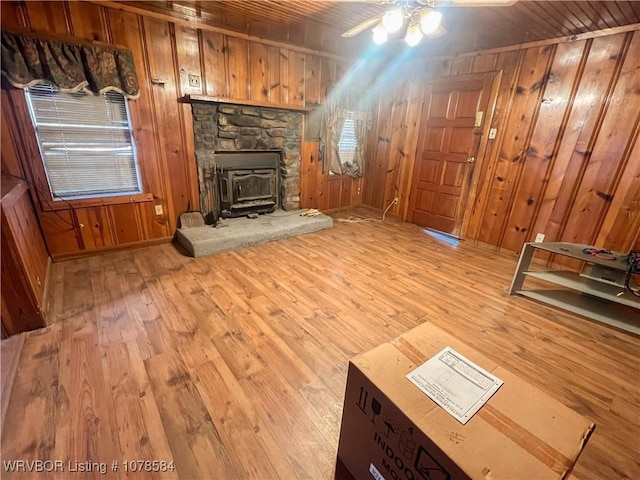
pixel 440 31
pixel 358 29
pixel 377 2
pixel 467 3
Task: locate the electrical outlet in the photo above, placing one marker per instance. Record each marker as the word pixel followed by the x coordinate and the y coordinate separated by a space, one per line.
pixel 194 80
pixel 395 201
pixel 158 209
pixel 540 238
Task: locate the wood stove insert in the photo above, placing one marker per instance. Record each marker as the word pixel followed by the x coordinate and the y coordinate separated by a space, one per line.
pixel 247 182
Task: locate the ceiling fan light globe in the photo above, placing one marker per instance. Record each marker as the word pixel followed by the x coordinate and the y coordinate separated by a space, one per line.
pixel 414 35
pixel 429 20
pixel 379 35
pixel 392 21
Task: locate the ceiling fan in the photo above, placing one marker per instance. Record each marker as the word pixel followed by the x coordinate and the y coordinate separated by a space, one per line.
pixel 420 17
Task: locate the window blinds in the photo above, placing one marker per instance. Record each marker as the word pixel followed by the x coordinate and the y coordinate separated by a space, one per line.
pixel 85 141
pixel 348 143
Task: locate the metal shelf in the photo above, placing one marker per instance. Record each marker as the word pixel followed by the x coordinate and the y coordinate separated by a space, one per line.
pixel 586 295
pixel 585 285
pixel 594 308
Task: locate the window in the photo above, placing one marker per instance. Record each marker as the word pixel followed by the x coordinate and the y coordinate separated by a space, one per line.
pixel 85 141
pixel 348 143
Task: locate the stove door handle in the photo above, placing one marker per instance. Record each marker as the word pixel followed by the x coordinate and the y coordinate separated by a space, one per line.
pixel 224 193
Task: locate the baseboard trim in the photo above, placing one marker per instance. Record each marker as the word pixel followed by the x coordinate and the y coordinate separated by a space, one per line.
pixel 44 301
pixel 116 248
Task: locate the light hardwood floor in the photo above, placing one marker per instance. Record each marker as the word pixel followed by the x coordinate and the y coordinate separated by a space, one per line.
pixel 234 365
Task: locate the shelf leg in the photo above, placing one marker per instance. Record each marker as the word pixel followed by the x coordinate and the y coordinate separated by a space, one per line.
pixel 523 265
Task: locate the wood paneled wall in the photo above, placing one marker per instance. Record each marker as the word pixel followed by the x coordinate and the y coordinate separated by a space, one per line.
pixel 167 55
pixel 323 191
pixel 566 159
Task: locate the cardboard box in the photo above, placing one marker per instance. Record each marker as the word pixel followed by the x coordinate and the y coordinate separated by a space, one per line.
pixel 392 431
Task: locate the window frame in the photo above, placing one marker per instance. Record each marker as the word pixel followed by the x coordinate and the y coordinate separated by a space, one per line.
pixel 350 119
pixel 338 176
pixel 50 201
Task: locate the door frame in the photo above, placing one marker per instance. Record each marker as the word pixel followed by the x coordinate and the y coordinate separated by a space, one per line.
pixel 470 188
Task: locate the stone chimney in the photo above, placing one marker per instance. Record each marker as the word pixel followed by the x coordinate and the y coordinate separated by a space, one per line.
pixel 228 128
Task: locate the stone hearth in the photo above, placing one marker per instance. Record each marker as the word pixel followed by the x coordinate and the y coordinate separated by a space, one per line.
pixel 229 128
pixel 234 233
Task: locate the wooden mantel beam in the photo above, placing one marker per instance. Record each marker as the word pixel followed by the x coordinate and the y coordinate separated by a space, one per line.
pixel 238 101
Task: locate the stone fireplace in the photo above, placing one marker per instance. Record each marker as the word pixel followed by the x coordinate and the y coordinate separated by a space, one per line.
pixel 222 129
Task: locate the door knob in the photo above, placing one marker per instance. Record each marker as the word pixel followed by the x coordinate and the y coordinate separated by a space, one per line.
pixel 471 159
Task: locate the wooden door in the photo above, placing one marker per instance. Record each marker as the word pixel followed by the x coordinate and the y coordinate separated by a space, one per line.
pixel 448 142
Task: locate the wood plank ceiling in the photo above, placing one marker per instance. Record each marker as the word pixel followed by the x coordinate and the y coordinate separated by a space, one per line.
pixel 318 24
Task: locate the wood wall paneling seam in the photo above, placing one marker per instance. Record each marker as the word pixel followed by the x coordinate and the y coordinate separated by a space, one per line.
pixel 192 180
pixel 598 125
pixel 154 120
pixel 523 155
pixel 560 136
pixel 626 154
